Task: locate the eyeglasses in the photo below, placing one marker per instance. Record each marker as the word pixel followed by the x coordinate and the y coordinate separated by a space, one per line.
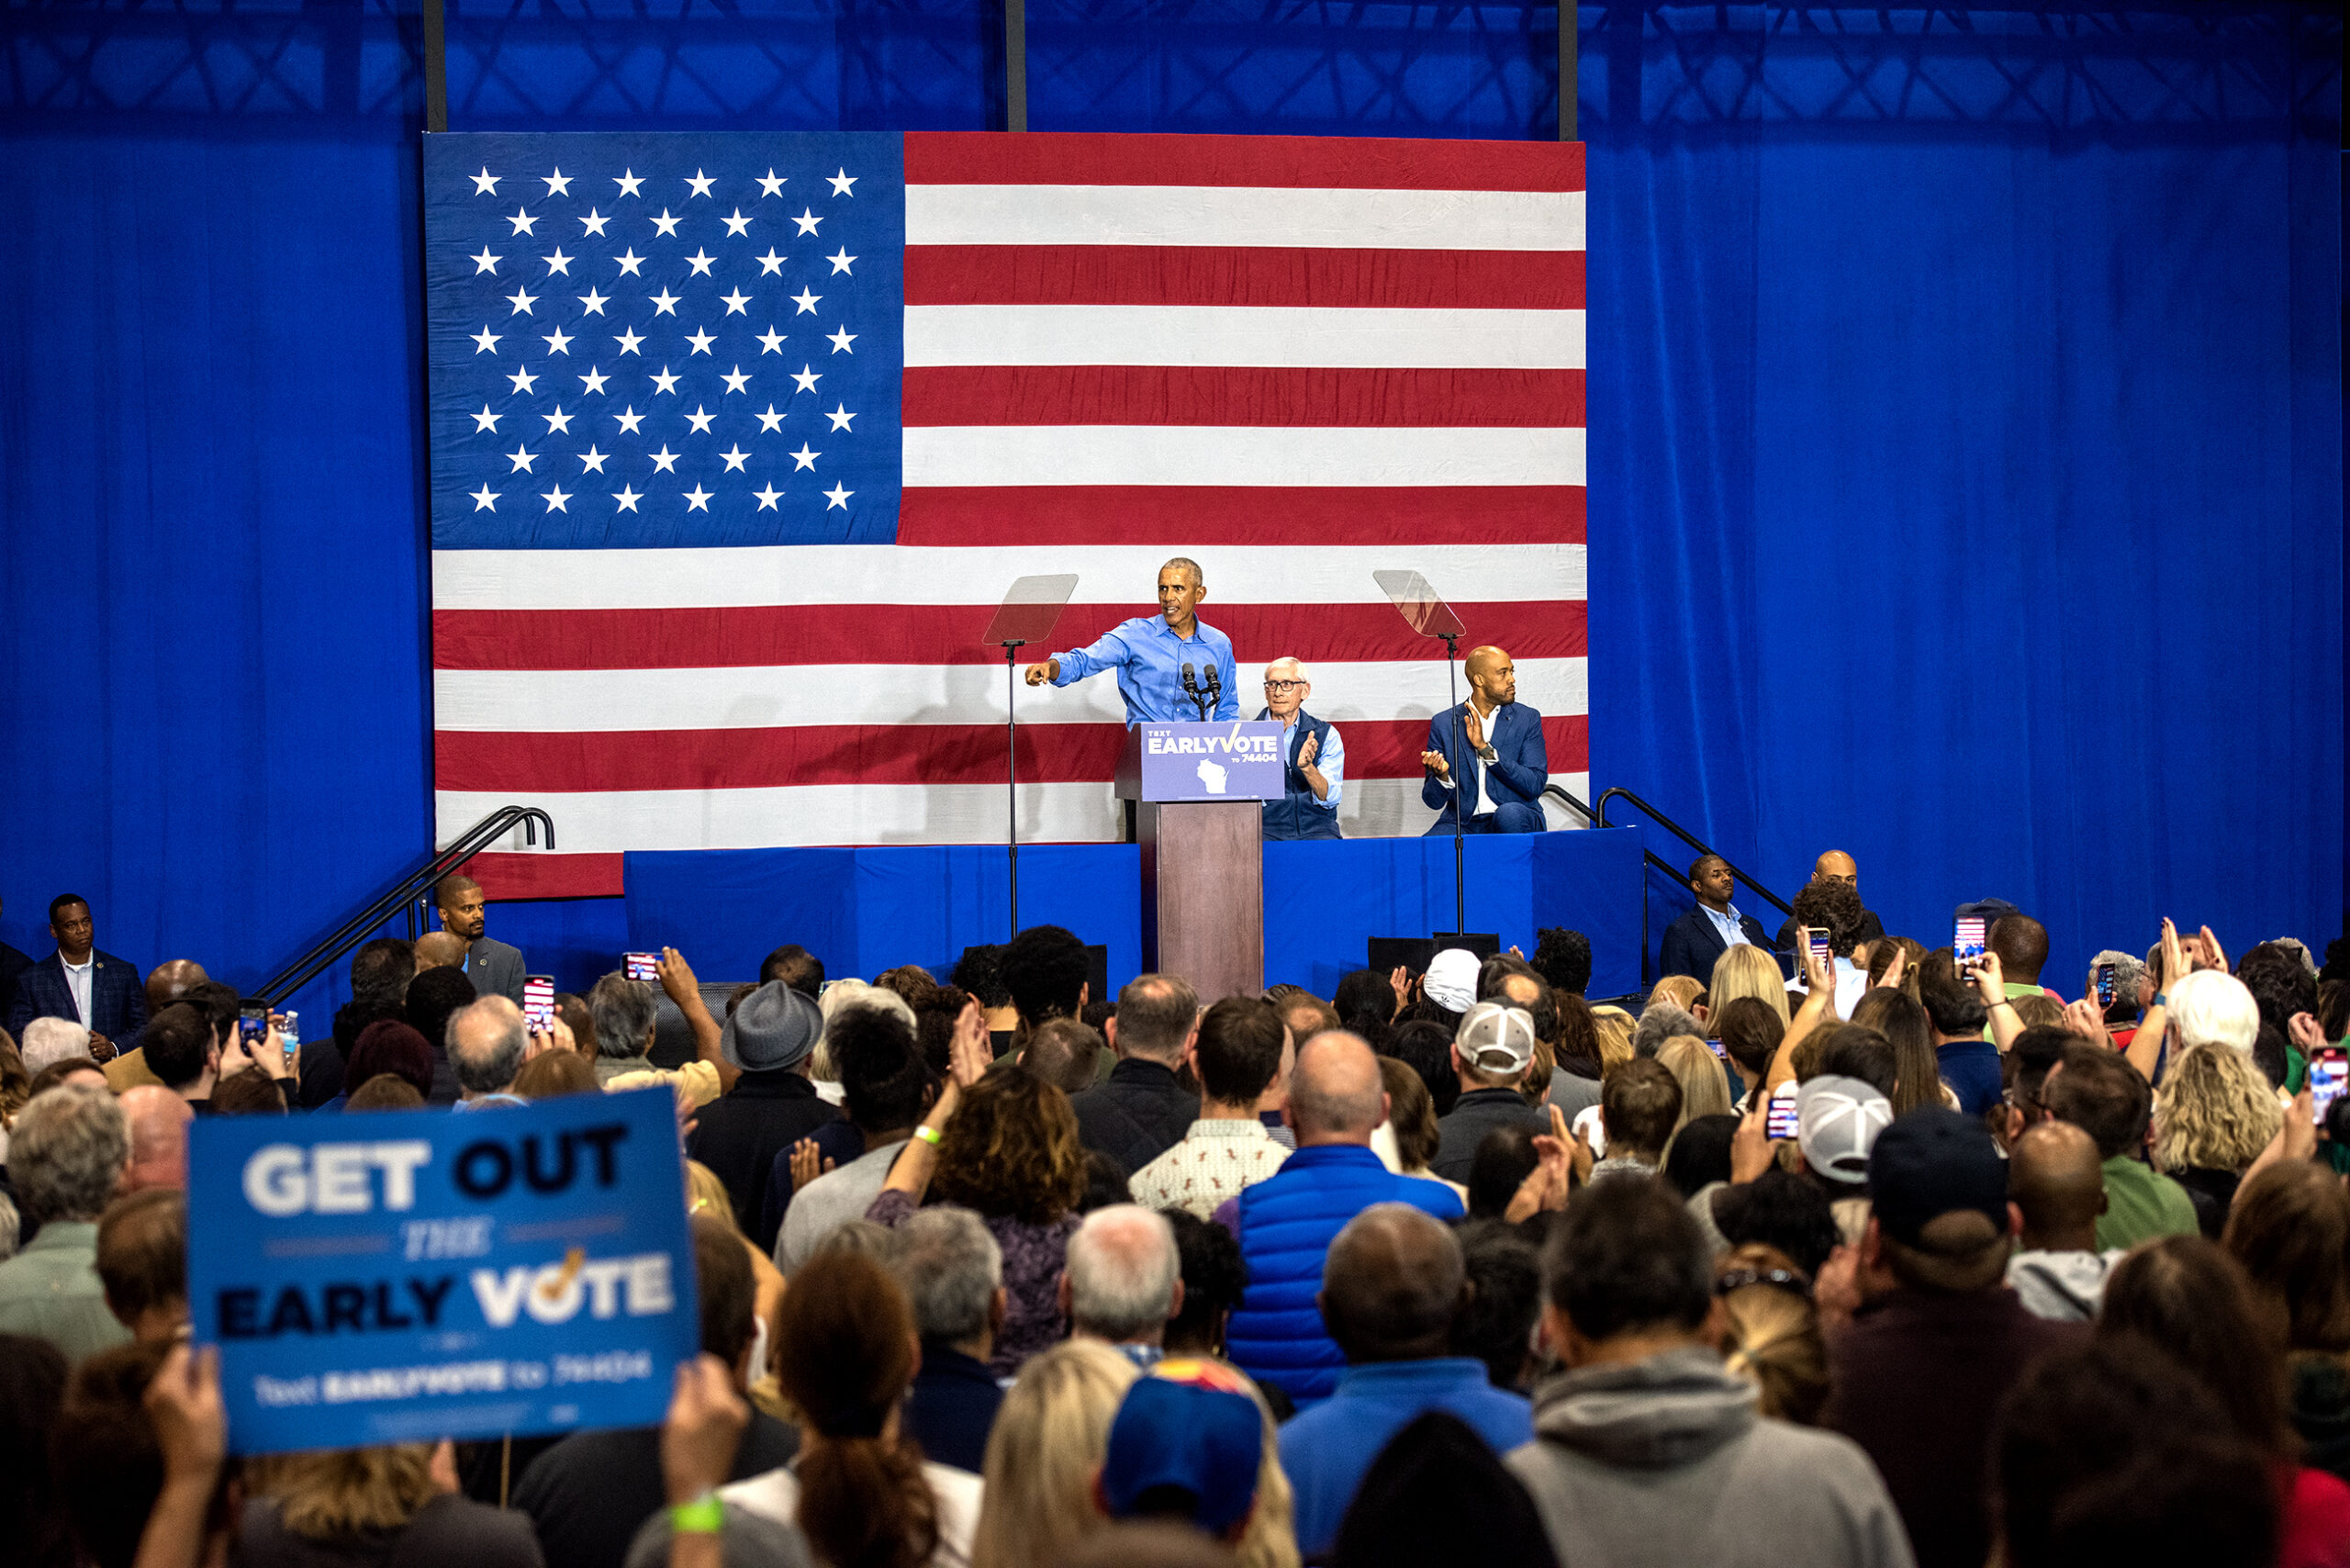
pixel 1282 688
pixel 1739 1279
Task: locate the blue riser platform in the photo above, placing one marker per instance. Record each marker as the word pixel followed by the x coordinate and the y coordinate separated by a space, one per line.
pixel 862 911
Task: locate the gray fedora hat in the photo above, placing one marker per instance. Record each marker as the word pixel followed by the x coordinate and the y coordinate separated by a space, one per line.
pixel 774 1026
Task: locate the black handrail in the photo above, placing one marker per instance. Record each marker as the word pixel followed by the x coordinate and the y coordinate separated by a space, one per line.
pixel 353 932
pixel 1674 828
pixel 1568 800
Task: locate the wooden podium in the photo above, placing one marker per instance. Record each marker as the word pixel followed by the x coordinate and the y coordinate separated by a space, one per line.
pixel 1200 790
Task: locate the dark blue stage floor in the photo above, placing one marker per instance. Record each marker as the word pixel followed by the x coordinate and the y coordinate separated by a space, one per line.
pixel 865 910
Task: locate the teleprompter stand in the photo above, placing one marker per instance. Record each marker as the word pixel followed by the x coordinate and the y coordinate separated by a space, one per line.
pixel 1028 613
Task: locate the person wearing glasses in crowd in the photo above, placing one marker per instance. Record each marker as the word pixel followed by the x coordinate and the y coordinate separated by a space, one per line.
pixel 1315 758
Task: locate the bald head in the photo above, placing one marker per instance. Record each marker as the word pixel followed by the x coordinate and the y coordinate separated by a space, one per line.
pixel 440 950
pixel 158 1119
pixel 1835 867
pixel 1391 1285
pixel 171 980
pixel 487 1042
pixel 1335 1091
pixel 1490 672
pixel 2055 1178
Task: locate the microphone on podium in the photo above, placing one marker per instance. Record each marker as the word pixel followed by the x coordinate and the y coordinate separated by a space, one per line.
pixel 1192 689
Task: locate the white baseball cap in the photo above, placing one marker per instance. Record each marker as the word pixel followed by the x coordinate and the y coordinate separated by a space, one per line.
pixel 1496 1037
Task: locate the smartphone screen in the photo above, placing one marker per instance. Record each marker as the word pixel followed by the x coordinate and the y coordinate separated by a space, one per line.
pixel 1966 944
pixel 2104 986
pixel 253 1026
pixel 1818 941
pixel 2329 1071
pixel 1716 1046
pixel 641 966
pixel 538 1000
pixel 1779 1122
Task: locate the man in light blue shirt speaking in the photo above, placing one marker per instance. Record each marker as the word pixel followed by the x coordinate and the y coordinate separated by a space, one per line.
pixel 1152 653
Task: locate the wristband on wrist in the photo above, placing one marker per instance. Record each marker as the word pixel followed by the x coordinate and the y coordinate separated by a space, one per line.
pixel 2003 1002
pixel 929 1135
pixel 2161 999
pixel 704 1515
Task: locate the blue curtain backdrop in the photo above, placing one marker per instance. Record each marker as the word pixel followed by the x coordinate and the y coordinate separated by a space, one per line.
pixel 1965 415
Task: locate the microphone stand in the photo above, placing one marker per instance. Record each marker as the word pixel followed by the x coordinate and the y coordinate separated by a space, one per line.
pixel 1460 791
pixel 1191 691
pixel 1012 646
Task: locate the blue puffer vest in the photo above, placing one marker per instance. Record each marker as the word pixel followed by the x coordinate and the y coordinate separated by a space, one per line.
pixel 1287 1223
pixel 1297 814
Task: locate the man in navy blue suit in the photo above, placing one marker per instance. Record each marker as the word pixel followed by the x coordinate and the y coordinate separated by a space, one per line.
pixel 1489 749
pixel 1693 942
pixel 78 983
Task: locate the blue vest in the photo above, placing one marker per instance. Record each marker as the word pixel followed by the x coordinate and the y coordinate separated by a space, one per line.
pixel 1287 1223
pixel 1298 814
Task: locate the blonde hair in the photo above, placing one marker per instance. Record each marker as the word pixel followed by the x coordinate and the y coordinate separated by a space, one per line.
pixel 1051 1435
pixel 1771 1337
pixel 1746 970
pixel 333 1493
pixel 1612 1027
pixel 2216 1111
pixel 706 1194
pixel 1705 1088
pixel 1678 990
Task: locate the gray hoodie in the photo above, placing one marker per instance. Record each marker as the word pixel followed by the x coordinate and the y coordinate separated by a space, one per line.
pixel 1664 1462
pixel 2064 1287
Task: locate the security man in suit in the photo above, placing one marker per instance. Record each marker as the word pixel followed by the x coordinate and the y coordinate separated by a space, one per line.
pixel 1693 942
pixel 1315 755
pixel 1489 752
pixel 496 968
pixel 78 983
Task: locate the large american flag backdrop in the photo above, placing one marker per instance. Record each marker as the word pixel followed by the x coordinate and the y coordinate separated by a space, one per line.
pixel 737 440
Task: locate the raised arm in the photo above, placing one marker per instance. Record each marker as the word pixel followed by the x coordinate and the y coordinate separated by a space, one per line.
pixel 678 979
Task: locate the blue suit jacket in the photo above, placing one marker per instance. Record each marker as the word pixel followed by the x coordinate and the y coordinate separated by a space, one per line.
pixel 1522 768
pixel 117 996
pixel 1691 945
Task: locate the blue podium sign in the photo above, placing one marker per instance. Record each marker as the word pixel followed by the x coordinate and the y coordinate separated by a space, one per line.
pixel 419 1274
pixel 1239 759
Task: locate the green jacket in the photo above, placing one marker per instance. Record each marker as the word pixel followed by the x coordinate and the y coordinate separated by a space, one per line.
pixel 50 1291
pixel 2142 1203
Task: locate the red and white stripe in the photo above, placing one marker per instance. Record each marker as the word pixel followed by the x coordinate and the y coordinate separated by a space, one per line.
pixel 1296 360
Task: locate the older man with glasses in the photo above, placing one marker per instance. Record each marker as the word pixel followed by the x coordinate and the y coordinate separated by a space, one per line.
pixel 1316 758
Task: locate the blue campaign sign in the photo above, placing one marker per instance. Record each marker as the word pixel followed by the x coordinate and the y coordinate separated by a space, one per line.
pixel 416 1274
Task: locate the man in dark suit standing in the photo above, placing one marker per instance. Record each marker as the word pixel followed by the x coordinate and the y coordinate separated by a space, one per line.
pixel 1488 751
pixel 78 983
pixel 494 967
pixel 1693 942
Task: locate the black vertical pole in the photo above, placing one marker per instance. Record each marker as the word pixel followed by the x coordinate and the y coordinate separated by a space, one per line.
pixel 436 70
pixel 1460 797
pixel 1015 64
pixel 1012 779
pixel 1569 25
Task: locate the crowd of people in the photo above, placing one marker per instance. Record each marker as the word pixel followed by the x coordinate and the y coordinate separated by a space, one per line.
pixel 1905 1260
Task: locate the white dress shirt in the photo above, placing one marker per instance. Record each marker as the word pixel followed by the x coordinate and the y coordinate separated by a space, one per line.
pixel 77 980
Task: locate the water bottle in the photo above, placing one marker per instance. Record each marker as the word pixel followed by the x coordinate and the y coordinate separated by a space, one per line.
pixel 289 1030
